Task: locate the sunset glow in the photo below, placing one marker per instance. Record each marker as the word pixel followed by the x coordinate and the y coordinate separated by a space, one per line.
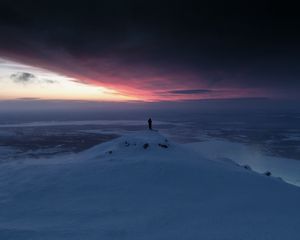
pixel 43 84
pixel 20 81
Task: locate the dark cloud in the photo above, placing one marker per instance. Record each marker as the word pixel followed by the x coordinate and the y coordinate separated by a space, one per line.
pixel 249 44
pixel 191 91
pixel 22 77
pixel 49 81
pixel 28 99
pixel 26 78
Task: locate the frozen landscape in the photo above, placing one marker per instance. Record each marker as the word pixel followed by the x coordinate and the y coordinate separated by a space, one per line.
pixel 149 120
pixel 264 142
pixel 143 186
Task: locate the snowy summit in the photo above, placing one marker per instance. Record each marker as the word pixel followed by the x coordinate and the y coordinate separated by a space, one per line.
pixel 143 186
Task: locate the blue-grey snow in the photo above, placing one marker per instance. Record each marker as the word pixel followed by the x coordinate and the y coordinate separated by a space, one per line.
pixel 143 186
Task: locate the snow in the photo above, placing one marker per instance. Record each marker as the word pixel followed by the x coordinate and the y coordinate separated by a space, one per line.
pixel 4 133
pixel 79 123
pixel 292 137
pixel 6 152
pixel 218 150
pixel 124 190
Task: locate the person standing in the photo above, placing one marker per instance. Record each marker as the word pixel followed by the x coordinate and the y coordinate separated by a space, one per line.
pixel 150 123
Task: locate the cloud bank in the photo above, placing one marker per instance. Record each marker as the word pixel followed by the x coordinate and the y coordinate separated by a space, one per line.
pixel 240 48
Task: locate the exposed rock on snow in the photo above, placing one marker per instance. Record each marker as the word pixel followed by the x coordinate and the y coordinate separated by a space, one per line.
pixel 247 167
pixel 146 145
pixel 268 173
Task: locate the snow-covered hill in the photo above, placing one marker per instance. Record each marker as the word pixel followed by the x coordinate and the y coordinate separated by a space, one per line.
pixel 143 186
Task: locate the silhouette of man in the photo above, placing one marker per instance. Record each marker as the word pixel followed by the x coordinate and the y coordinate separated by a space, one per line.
pixel 150 123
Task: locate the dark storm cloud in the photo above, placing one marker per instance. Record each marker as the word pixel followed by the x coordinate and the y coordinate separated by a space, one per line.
pixel 191 91
pixel 218 43
pixel 22 77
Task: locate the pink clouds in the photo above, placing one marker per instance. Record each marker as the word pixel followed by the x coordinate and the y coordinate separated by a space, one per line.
pixel 136 80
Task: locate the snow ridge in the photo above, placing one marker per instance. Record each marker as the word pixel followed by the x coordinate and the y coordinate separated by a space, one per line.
pixel 143 186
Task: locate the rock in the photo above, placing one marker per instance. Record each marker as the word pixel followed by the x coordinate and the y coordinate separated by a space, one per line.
pixel 146 145
pixel 247 167
pixel 163 145
pixel 268 173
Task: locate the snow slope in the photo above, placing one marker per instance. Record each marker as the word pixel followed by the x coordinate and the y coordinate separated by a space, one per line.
pixel 287 169
pixel 142 186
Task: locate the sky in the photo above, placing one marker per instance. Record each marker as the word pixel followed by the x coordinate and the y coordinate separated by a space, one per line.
pixel 149 51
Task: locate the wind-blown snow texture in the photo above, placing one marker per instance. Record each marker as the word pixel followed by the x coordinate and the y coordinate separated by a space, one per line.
pixel 142 186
